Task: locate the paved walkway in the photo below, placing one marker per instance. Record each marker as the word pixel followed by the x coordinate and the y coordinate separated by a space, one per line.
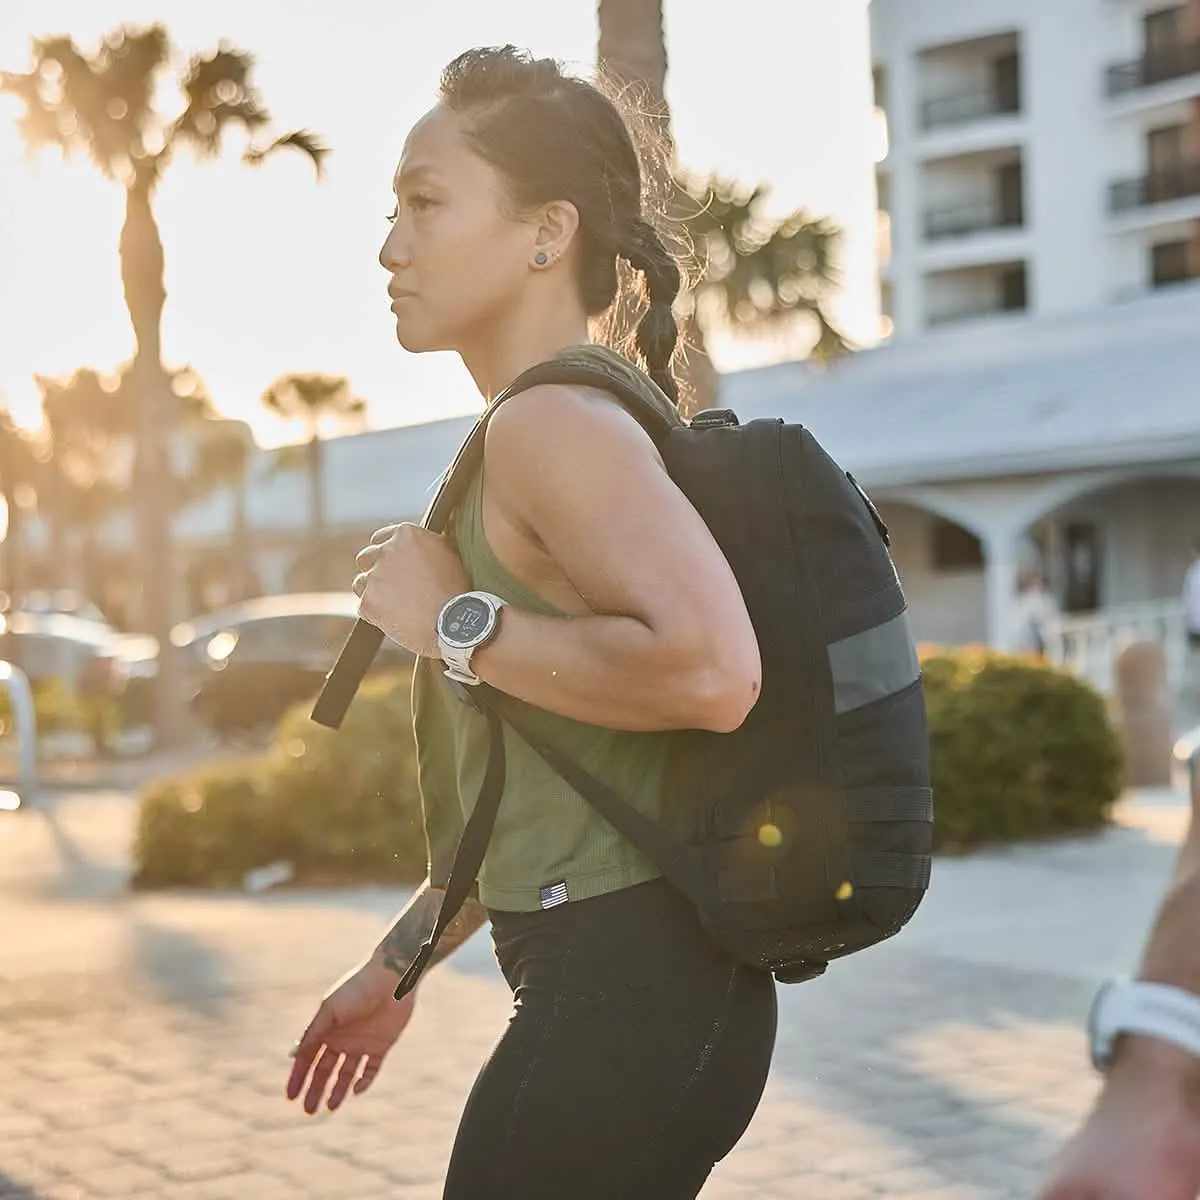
pixel 144 1038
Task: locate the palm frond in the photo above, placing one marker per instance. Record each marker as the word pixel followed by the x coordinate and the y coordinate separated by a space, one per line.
pixel 312 398
pixel 41 122
pixel 219 94
pixel 105 101
pixel 303 140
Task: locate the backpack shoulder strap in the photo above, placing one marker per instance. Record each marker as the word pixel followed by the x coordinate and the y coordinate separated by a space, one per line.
pixel 585 366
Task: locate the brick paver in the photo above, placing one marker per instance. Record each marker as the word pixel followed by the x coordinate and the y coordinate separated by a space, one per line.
pixel 144 1039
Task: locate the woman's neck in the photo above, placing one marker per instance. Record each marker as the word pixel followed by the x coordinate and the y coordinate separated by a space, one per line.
pixel 524 340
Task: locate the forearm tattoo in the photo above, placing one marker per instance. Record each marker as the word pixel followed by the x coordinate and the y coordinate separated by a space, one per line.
pixel 401 943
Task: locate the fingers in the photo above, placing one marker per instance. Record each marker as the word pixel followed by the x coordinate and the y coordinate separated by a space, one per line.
pixel 347 1070
pixel 383 535
pixel 326 1063
pixel 307 1049
pixel 360 583
pixel 369 1071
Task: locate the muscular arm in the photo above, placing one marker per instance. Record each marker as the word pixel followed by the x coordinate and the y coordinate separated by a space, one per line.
pixel 670 644
pixel 400 944
pixel 1172 956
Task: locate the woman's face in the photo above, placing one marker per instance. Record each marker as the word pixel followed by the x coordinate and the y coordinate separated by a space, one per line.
pixel 456 261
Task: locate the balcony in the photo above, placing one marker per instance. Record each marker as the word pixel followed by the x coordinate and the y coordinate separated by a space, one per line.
pixel 962 220
pixel 958 109
pixel 1159 187
pixel 1158 66
pixel 975 292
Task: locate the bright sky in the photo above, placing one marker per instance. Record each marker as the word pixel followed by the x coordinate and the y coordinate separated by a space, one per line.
pixel 269 272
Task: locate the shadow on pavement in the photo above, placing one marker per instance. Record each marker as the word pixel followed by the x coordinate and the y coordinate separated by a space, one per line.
pixel 13 1189
pixel 961 1010
pixel 179 968
pixel 944 1113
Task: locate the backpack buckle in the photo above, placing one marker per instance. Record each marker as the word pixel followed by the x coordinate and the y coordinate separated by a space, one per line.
pixel 799 972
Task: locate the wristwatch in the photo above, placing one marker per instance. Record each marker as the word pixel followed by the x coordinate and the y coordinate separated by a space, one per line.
pixel 466 622
pixel 1156 1010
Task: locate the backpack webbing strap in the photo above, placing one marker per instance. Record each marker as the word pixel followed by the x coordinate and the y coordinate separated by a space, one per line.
pixel 885 868
pixel 469 856
pixel 678 861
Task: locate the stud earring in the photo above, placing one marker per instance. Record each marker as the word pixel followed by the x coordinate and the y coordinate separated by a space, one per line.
pixel 541 258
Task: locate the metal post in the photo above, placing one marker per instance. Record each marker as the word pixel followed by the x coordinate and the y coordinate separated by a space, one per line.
pixel 20 699
pixel 1187 751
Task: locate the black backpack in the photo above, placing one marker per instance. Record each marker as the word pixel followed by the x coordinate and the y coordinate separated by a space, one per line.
pixel 804 835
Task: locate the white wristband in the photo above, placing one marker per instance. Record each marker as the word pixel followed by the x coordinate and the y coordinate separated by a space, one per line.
pixel 1156 1010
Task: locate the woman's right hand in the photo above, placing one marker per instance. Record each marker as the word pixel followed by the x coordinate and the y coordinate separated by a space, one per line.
pixel 356 1025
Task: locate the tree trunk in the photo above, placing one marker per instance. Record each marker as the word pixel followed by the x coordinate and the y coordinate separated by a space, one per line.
pixel 317 516
pixel 242 550
pixel 12 546
pixel 141 255
pixel 633 49
pixel 702 381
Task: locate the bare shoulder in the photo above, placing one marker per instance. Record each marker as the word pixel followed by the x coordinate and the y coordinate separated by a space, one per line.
pixel 566 422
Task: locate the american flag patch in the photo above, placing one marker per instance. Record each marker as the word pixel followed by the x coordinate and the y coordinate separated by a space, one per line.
pixel 553 894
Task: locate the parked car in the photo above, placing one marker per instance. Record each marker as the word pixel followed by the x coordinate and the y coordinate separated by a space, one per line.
pixel 63 600
pixel 246 665
pixel 86 655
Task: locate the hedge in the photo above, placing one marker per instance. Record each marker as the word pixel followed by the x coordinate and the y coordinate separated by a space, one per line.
pixel 339 806
pixel 1020 750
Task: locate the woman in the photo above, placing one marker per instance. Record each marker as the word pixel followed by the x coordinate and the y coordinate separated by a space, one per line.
pixel 637 1051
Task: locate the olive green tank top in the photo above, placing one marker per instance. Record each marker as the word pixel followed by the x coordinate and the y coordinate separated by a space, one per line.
pixel 549 846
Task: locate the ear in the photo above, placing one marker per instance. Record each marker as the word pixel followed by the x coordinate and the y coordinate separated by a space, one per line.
pixel 556 225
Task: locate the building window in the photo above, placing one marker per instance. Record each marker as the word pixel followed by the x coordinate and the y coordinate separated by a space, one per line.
pixel 1006 80
pixel 954 548
pixel 1168 263
pixel 1161 30
pixel 1014 288
pixel 1164 148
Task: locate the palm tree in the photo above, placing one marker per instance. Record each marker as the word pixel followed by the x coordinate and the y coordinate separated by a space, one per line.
pixel 761 273
pixel 18 470
pixel 223 455
pixel 84 476
pixel 748 273
pixel 314 401
pixel 103 104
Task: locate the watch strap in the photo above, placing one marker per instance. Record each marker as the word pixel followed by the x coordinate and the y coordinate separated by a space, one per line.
pixel 1156 1010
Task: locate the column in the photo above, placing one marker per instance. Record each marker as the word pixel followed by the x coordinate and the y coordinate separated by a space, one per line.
pixel 1000 566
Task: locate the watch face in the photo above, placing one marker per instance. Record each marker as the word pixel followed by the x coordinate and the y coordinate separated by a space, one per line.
pixel 466 621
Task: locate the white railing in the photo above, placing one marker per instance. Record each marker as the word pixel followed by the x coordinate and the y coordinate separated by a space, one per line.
pixel 15 683
pixel 1088 644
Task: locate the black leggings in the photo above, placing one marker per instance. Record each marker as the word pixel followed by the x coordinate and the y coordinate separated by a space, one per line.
pixel 635 1057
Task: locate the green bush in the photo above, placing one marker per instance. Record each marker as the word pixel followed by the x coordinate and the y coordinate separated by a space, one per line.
pixel 56 708
pixel 346 800
pixel 207 827
pixel 340 806
pixel 1021 749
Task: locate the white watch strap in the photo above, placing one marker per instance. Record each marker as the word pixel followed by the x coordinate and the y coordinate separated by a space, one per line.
pixel 1154 1009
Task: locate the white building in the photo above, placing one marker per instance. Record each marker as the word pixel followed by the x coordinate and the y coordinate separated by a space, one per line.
pixel 1044 155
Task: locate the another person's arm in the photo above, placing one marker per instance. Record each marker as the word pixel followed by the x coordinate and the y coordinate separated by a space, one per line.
pixel 1142 1139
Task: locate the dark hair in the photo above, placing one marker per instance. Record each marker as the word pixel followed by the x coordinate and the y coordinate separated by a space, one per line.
pixel 553 136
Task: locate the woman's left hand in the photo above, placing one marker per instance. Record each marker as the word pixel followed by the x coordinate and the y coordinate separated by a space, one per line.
pixel 406 575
